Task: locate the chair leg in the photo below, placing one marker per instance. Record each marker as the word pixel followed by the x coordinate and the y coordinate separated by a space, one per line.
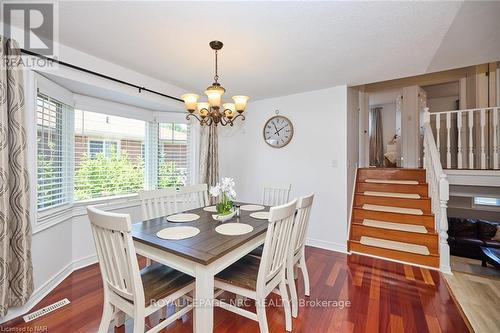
pixel 107 316
pixel 260 308
pixel 139 321
pixel 290 280
pixel 163 313
pixel 305 274
pixel 286 306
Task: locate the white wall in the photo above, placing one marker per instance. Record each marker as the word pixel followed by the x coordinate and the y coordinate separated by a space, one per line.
pixel 314 161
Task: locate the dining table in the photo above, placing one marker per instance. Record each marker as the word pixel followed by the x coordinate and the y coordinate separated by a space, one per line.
pixel 201 256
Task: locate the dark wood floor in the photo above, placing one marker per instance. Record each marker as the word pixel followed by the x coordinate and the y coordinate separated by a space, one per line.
pixel 384 296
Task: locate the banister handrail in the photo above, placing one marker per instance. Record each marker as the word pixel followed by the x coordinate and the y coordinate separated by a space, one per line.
pixel 438 192
pixel 465 110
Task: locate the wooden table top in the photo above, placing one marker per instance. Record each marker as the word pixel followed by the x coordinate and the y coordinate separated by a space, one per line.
pixel 205 247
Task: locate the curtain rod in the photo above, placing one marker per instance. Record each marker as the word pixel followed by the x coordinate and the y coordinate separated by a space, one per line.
pixel 88 71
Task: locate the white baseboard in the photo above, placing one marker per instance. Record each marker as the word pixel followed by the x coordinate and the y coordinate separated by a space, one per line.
pixel 326 245
pixel 48 286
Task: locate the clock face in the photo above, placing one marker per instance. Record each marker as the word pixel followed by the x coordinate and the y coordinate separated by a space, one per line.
pixel 278 131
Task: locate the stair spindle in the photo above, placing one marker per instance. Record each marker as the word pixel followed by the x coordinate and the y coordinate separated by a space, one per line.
pixel 459 143
pixel 483 149
pixel 495 137
pixel 471 140
pixel 448 141
pixel 438 127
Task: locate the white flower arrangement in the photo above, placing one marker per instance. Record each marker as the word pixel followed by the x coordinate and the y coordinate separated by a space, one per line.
pixel 226 193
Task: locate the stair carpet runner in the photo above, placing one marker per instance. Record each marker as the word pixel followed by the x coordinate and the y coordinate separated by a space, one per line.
pixel 392 216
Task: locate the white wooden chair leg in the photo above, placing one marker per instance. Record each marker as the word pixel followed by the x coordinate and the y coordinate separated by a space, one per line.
pixel 119 318
pixel 305 274
pixel 286 306
pixel 163 313
pixel 107 316
pixel 178 306
pixel 295 272
pixel 260 308
pixel 293 294
pixel 139 321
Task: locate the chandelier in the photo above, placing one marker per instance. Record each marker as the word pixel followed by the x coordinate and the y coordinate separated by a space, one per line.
pixel 215 111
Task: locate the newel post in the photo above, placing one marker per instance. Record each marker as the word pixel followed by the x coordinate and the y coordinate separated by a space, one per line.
pixel 444 248
pixel 427 116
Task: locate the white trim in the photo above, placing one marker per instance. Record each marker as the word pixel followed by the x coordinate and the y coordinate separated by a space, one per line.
pixel 53 217
pixel 48 286
pixel 92 104
pixel 326 245
pixel 473 177
pixel 55 91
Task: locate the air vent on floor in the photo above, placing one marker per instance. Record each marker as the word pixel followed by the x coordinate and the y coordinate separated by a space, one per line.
pixel 45 310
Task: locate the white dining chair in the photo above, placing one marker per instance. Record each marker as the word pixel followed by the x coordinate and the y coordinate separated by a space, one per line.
pixel 296 252
pixel 276 195
pixel 256 278
pixel 158 203
pixel 192 197
pixel 126 289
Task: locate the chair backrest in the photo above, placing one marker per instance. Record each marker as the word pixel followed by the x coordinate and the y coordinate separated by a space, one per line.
pixel 277 242
pixel 158 203
pixel 276 195
pixel 116 253
pixel 301 223
pixel 193 196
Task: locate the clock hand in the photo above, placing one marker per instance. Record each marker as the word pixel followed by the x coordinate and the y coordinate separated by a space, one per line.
pixel 280 129
pixel 275 128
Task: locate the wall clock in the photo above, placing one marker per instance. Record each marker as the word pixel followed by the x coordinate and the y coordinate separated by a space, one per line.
pixel 278 131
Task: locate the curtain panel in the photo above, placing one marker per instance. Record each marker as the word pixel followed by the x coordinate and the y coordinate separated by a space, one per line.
pixel 209 156
pixel 376 140
pixel 16 271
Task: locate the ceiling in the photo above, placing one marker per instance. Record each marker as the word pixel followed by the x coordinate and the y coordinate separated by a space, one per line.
pixel 280 48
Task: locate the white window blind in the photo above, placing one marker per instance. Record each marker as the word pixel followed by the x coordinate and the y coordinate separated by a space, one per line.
pixel 53 149
pixel 174 155
pixel 109 158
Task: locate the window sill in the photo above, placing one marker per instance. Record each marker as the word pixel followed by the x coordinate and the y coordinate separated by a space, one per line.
pixel 52 217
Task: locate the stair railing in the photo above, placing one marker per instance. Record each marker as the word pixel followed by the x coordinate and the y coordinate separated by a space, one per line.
pixel 438 192
pixel 470 139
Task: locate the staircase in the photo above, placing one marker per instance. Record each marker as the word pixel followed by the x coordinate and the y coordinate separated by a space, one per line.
pixel 392 216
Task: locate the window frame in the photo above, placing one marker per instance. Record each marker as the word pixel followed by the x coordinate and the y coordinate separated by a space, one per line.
pixel 51 216
pixel 104 147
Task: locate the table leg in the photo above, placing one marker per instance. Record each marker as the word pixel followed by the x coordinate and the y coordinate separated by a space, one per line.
pixel 203 320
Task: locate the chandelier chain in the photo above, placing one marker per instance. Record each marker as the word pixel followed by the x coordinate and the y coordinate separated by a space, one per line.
pixel 216 77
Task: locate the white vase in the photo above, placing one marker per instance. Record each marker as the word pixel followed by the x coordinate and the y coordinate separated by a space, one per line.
pixel 224 218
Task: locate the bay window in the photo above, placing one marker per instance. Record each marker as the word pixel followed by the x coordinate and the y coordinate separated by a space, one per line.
pixel 108 159
pixel 173 155
pixel 93 150
pixel 53 171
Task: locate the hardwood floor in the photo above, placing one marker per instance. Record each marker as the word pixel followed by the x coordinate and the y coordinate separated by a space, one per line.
pixel 384 297
pixel 477 290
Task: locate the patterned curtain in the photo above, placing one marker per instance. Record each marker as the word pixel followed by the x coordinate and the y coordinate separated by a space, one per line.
pixel 16 271
pixel 209 155
pixel 376 141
